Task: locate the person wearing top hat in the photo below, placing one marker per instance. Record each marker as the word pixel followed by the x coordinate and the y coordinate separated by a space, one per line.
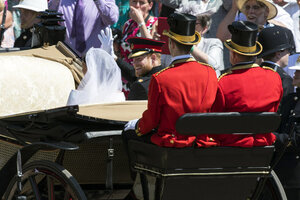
pixel 208 50
pixel 246 87
pixel 146 62
pixel 29 12
pixel 183 87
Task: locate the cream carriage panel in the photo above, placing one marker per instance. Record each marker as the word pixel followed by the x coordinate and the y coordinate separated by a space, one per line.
pixel 30 83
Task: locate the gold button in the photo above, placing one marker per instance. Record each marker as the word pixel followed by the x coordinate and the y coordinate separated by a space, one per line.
pixel 211 139
pixel 173 135
pixel 172 141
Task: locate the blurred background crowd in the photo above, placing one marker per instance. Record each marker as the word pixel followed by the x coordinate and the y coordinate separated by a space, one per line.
pixel 84 19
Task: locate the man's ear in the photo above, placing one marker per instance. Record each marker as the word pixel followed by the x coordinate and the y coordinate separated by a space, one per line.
pixel 171 44
pixel 153 57
pixel 278 55
pixel 204 31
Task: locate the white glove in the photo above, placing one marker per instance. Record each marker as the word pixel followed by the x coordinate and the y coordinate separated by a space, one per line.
pixel 131 125
pixel 107 41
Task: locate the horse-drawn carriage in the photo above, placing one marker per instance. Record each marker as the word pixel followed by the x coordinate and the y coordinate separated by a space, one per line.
pixel 52 151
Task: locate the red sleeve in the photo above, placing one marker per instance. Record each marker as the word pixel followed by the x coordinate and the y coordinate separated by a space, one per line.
pixel 151 116
pixel 219 104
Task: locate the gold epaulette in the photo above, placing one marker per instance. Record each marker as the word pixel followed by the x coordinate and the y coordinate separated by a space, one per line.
pixel 157 73
pixel 264 67
pixel 245 66
pixel 224 74
pixel 205 64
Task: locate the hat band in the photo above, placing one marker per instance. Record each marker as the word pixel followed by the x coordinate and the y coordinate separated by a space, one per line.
pixel 185 38
pixel 143 47
pixel 243 48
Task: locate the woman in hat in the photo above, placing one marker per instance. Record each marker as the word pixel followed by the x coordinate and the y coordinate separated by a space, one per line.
pixel 259 12
pixel 29 11
pixel 208 50
pixel 8 38
pixel 140 24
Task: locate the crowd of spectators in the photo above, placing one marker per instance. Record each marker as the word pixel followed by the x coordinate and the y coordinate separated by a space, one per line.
pixel 140 18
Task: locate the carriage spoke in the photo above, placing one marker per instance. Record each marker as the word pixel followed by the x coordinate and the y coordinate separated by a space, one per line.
pixel 34 187
pixel 50 183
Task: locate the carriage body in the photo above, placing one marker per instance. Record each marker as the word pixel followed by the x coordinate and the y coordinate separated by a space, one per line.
pixel 86 140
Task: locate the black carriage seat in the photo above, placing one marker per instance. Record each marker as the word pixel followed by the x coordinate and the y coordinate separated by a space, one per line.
pixel 231 173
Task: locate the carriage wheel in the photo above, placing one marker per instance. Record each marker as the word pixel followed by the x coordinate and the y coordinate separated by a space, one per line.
pixel 45 180
pixel 273 189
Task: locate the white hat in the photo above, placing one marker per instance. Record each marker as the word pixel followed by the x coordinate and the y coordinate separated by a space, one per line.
pixel 34 5
pixel 272 8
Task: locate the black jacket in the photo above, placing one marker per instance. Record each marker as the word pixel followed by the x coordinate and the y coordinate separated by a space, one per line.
pixel 138 86
pixel 287 80
pixel 24 40
pixel 286 107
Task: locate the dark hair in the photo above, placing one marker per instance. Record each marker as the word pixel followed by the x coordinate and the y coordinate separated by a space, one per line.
pixel 185 48
pixel 117 35
pixel 246 58
pixel 270 56
pixel 204 20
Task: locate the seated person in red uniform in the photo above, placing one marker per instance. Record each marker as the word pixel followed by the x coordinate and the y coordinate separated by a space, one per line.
pixel 245 87
pixel 186 86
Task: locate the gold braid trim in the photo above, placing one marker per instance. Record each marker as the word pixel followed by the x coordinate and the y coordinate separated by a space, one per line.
pixel 183 60
pixel 176 62
pixel 269 68
pixel 206 64
pixel 163 70
pixel 238 67
pixel 245 66
pixel 226 73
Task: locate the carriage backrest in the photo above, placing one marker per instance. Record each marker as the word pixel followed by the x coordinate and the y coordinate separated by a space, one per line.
pixel 227 123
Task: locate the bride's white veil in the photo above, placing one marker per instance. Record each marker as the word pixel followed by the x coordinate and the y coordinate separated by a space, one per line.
pixel 102 82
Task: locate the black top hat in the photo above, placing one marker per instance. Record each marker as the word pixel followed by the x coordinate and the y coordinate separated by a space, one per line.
pixel 182 29
pixel 243 38
pixel 140 46
pixel 275 39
